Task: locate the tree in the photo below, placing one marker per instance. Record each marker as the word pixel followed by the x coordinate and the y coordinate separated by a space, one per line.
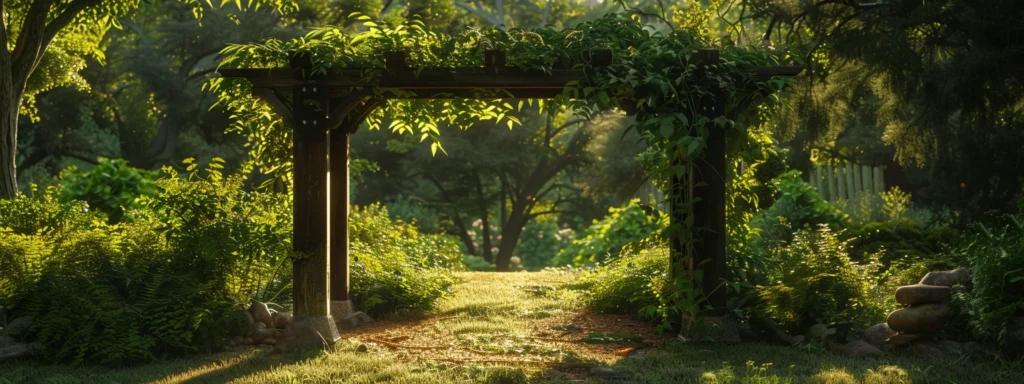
pixel 943 77
pixel 45 46
pixel 499 177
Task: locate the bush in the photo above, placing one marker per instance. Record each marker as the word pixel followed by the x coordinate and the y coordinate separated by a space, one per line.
pixel 394 267
pixel 477 263
pixel 171 278
pixel 813 280
pixel 111 186
pixel 636 284
pixel 996 260
pixel 540 242
pixel 798 206
pixel 605 238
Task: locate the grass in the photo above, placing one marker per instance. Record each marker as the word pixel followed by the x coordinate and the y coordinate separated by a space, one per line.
pixel 525 327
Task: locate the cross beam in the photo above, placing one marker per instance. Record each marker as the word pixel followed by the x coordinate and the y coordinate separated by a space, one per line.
pixel 324 109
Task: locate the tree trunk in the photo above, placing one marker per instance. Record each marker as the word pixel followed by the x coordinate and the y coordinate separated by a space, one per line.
pixel 484 218
pixel 8 142
pixel 510 233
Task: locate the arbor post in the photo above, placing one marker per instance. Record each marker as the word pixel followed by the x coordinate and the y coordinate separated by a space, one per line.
pixel 344 119
pixel 701 192
pixel 338 225
pixel 310 270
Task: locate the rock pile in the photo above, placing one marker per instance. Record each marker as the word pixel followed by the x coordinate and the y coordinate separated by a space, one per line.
pixel 927 308
pixel 278 329
pixel 10 348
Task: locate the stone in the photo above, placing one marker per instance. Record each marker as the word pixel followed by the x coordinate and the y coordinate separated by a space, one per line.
pixel 14 351
pixel 924 348
pixel 6 340
pixel 260 313
pixel 904 338
pixel 270 341
pixel 300 335
pixel 797 340
pixel 18 327
pixel 237 340
pixel 715 329
pixel 746 332
pixel 248 341
pixel 355 319
pixel 341 309
pixel 974 348
pixel 959 276
pixel 859 348
pixel 819 332
pixel 281 320
pixel 923 294
pixel 878 334
pixel 259 332
pixel 362 348
pixel 248 319
pixel 603 372
pixel 924 318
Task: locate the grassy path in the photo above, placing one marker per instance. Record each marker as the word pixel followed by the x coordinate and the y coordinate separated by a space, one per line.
pixel 526 327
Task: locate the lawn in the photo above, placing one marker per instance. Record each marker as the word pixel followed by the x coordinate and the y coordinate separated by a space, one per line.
pixel 527 327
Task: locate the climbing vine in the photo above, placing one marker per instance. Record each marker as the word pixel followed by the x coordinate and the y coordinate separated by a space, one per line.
pixel 651 76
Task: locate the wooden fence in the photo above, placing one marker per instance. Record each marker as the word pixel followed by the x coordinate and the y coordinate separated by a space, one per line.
pixel 846 180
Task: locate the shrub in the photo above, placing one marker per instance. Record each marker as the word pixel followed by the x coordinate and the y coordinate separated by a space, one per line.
pixel 477 263
pixel 540 242
pixel 605 238
pixel 813 280
pixel 996 260
pixel 635 284
pixel 798 206
pixel 171 278
pixel 111 186
pixel 394 267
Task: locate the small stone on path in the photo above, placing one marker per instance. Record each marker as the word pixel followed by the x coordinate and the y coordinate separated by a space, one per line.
pixel 362 348
pixel 603 372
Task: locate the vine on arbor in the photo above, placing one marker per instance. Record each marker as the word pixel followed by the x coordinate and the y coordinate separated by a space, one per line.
pixel 649 77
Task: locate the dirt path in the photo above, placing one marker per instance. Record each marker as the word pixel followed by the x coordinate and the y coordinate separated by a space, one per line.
pixel 512 319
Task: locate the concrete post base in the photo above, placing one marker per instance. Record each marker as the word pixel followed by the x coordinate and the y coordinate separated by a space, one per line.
pixel 713 329
pixel 326 326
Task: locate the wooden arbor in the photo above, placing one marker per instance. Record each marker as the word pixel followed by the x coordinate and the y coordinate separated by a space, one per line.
pixel 325 109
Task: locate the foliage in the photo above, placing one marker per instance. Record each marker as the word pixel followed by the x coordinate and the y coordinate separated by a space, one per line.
pixel 477 263
pixel 111 186
pixel 394 268
pixel 653 75
pixel 797 207
pixel 540 242
pixel 997 274
pixel 170 278
pixel 605 239
pixel 636 284
pixel 813 280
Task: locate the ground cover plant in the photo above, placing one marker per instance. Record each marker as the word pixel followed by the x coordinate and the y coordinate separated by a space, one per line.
pixel 528 328
pixel 171 277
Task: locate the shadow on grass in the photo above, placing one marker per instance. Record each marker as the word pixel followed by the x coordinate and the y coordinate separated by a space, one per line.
pixel 761 363
pixel 216 368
